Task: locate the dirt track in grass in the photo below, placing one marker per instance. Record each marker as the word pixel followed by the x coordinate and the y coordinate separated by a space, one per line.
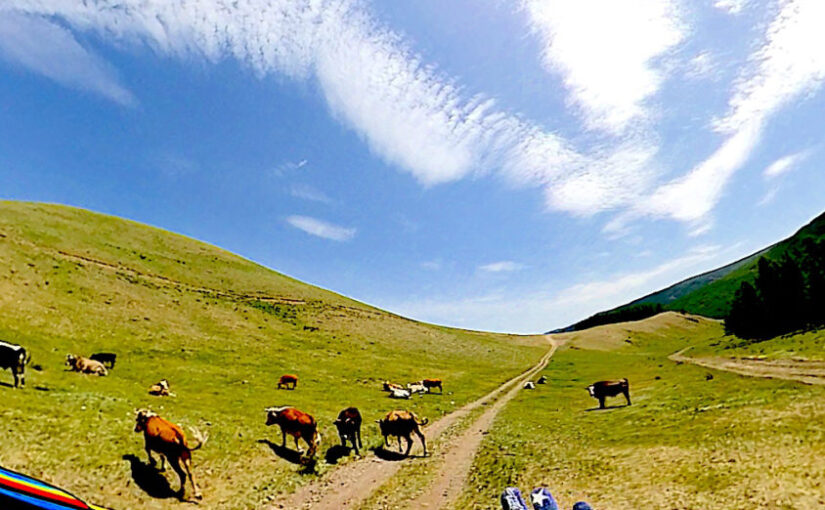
pixel 807 372
pixel 351 484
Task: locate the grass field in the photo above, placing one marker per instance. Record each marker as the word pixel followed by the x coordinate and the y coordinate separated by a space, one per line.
pixel 221 329
pixel 804 346
pixel 731 442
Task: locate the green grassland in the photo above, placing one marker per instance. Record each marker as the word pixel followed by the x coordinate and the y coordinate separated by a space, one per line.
pixel 687 442
pixel 802 346
pixel 221 329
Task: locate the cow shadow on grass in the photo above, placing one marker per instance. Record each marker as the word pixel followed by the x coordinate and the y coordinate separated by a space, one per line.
pixel 606 408
pixel 390 455
pixel 307 464
pixel 149 479
pixel 335 453
pixel 7 385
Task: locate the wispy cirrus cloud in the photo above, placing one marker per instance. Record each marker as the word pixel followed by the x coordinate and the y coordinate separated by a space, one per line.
pixel 320 228
pixel 503 266
pixel 731 6
pixel 606 52
pixel 407 112
pixel 52 51
pixel 787 67
pixel 307 192
pixel 784 164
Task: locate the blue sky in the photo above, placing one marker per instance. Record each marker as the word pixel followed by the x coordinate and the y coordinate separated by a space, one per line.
pixel 512 166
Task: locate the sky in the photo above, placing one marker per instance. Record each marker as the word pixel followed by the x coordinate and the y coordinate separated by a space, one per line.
pixel 500 165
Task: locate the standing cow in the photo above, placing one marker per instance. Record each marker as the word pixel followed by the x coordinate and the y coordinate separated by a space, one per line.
pixel 297 424
pixel 167 439
pixel 603 389
pixel 349 428
pixel 402 424
pixel 430 384
pixel 14 357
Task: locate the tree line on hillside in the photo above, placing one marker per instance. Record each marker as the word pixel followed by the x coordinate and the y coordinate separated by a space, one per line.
pixel 629 313
pixel 787 295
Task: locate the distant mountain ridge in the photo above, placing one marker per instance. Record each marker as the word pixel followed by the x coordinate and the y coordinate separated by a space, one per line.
pixel 710 293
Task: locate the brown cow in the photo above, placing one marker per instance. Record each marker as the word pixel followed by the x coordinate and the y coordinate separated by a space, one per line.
pixel 432 383
pixel 286 380
pixel 388 386
pixel 168 440
pixel 297 424
pixel 603 389
pixel 402 424
pixel 349 427
pixel 85 365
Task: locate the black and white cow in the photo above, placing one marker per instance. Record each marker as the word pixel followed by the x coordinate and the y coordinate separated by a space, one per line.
pixel 14 357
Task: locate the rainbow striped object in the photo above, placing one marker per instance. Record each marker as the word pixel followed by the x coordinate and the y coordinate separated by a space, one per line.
pixel 21 492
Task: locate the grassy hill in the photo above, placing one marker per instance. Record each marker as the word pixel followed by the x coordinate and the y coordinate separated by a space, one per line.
pixel 710 294
pixel 730 442
pixel 221 329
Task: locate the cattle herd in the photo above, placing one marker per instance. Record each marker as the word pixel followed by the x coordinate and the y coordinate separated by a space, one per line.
pixel 169 441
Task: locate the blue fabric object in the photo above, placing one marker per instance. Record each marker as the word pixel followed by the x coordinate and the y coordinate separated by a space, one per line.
pixel 543 500
pixel 581 505
pixel 511 500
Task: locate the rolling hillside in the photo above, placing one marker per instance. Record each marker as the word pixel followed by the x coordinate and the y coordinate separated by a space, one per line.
pixel 221 329
pixel 710 294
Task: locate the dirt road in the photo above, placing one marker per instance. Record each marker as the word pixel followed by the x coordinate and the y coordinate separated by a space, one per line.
pixel 349 485
pixel 807 372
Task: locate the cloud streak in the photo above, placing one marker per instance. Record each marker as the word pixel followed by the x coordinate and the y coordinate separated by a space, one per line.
pixel 504 266
pixel 50 50
pixel 322 229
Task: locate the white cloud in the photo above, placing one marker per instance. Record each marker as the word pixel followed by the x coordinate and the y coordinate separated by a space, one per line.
pixel 731 6
pixel 501 267
pixel 408 113
pixel 307 192
pixel 289 166
pixel 606 52
pixel 701 66
pixel 784 165
pixel 432 265
pixel 790 65
pixel 768 197
pixel 321 228
pixel 48 49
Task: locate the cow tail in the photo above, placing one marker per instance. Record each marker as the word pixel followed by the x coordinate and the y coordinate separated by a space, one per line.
pixel 422 422
pixel 200 437
pixel 27 359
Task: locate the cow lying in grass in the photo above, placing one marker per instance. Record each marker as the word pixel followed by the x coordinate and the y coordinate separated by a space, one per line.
pixel 161 389
pixel 349 427
pixel 297 424
pixel 85 365
pixel 288 381
pixel 416 388
pixel 107 358
pixel 603 389
pixel 168 440
pixel 402 424
pixel 14 357
pixel 388 386
pixel 400 393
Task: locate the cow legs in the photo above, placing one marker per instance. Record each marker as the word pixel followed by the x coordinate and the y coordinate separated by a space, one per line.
pixel 358 433
pixel 162 462
pixel 283 438
pixel 627 396
pixel 601 402
pixel 409 445
pixel 386 441
pixel 399 443
pixel 175 463
pixel 298 448
pixel 152 461
pixel 423 440
pixel 16 378
pixel 187 464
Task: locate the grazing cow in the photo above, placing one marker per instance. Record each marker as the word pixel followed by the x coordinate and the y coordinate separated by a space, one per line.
pixel 286 380
pixel 167 439
pixel 603 389
pixel 416 388
pixel 297 424
pixel 14 357
pixel 542 380
pixel 161 389
pixel 107 358
pixel 85 365
pixel 402 424
pixel 529 385
pixel 349 427
pixel 388 386
pixel 432 383
pixel 405 394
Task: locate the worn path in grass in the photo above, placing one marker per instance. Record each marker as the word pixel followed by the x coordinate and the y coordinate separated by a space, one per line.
pixel 807 372
pixel 351 484
pixel 458 457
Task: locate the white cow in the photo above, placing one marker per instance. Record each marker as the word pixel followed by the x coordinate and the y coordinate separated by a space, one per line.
pixel 416 388
pixel 529 385
pixel 394 393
